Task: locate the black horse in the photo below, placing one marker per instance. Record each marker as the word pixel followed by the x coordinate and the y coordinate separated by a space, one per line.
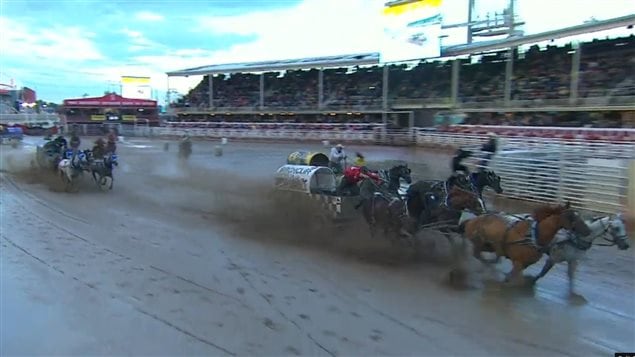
pixel 478 181
pixel 427 195
pixel 383 207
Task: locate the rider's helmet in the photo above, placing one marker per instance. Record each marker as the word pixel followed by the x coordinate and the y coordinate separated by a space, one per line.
pixel 100 142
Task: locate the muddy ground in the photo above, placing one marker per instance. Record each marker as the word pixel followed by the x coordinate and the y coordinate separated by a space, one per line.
pixel 196 258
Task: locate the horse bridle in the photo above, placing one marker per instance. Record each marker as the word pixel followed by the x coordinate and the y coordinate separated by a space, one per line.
pixel 603 233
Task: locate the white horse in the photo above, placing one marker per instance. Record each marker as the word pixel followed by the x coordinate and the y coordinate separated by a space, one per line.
pixel 570 248
pixel 70 169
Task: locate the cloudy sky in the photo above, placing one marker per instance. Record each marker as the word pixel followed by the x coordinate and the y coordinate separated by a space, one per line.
pixel 65 48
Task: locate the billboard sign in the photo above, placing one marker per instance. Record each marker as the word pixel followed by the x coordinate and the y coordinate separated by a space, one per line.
pixel 136 87
pixel 411 30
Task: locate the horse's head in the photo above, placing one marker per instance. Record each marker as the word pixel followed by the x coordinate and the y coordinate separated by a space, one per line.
pixel 493 180
pixel 401 172
pixel 617 230
pixel 461 180
pixel 461 199
pixel 571 221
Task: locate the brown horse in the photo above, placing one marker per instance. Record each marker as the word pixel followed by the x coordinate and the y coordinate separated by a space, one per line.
pixel 544 211
pixel 524 241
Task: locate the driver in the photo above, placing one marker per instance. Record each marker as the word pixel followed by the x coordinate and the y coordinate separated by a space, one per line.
pixel 488 149
pixel 337 159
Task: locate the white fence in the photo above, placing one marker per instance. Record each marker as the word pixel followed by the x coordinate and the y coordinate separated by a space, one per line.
pixel 564 174
pixel 592 175
pixel 46 119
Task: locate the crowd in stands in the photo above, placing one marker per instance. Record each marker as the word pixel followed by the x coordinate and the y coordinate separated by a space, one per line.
pixel 348 127
pixel 607 69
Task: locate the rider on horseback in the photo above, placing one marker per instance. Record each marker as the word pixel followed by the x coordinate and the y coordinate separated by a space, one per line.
pixel 74 144
pixel 359 159
pixel 99 150
pixel 488 149
pixel 61 142
pixel 460 172
pixel 111 146
pixel 457 165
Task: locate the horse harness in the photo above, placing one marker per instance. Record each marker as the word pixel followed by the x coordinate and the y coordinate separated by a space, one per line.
pixel 530 240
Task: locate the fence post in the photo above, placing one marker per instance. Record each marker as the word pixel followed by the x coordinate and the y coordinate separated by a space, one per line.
pixel 560 193
pixel 630 199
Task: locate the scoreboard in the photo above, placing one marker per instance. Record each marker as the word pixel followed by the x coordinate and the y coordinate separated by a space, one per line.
pixel 411 30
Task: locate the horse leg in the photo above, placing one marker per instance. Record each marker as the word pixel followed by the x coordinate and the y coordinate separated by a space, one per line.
pixel 572 266
pixel 515 276
pixel 545 269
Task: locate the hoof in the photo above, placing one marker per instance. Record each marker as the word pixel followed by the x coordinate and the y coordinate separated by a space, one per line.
pixel 577 298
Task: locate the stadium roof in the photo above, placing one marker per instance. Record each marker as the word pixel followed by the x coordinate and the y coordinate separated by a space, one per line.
pixel 280 65
pixel 485 46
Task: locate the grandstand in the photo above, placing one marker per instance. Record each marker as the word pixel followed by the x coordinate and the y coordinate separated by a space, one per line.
pixel 580 84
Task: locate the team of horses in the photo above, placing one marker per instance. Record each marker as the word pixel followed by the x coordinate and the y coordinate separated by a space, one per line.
pixel 455 207
pixel 72 166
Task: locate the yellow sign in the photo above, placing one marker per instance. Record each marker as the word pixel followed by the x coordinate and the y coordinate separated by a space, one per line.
pixel 135 80
pixel 411 7
pixel 129 117
pixel 98 117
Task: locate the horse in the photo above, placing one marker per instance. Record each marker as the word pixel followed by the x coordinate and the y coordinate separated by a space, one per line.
pixel 101 170
pixel 570 248
pixel 421 202
pixel 71 167
pixel 390 181
pixel 485 178
pixel 445 217
pixel 383 207
pixel 523 241
pixel 394 175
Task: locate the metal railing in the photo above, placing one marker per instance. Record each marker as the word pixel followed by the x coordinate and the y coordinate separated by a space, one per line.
pixel 22 118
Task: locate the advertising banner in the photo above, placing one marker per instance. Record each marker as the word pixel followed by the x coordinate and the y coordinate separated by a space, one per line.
pixel 136 87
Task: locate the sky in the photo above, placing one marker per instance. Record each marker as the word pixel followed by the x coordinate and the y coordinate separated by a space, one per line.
pixel 68 48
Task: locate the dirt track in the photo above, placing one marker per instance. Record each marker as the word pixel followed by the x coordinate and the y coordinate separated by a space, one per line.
pixel 195 259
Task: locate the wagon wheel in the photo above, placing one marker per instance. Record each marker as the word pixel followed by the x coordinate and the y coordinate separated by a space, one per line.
pixel 322 218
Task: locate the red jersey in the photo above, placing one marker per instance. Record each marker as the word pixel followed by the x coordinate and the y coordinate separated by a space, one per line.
pixel 354 174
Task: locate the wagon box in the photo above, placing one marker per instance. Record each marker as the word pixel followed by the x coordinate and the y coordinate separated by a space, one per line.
pixel 316 184
pixel 307 179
